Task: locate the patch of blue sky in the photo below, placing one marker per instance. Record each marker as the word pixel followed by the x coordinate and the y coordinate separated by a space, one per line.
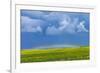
pixel 43 27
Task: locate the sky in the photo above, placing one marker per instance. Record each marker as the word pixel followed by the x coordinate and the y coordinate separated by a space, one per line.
pixel 46 28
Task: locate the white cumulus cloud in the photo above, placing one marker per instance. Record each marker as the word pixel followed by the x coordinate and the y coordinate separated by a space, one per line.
pixel 53 31
pixel 31 25
pixel 64 23
pixel 67 25
pixel 81 27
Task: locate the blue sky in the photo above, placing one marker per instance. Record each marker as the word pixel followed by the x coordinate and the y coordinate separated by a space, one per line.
pixel 42 28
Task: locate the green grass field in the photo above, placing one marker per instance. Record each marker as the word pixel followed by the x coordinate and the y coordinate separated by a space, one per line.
pixel 61 54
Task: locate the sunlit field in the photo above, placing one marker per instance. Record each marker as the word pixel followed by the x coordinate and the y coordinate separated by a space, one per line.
pixel 55 54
